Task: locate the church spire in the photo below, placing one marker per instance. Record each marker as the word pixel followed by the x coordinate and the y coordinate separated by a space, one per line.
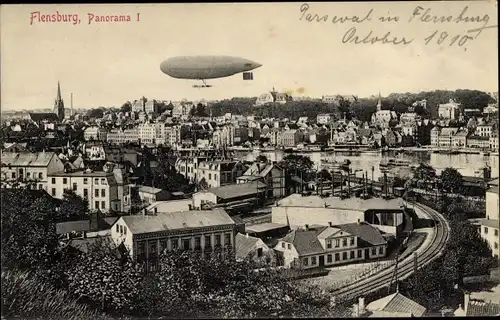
pixel 59 103
pixel 58 98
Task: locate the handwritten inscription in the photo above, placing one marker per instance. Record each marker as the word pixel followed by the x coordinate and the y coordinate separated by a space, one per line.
pixel 74 18
pixel 419 15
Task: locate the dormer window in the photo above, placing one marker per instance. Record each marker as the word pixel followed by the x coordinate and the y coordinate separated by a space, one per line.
pixel 329 244
pixel 283 245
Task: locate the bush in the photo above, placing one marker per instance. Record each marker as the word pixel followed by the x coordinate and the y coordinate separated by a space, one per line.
pixel 25 296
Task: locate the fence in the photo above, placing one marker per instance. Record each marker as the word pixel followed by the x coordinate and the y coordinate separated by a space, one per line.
pixel 374 268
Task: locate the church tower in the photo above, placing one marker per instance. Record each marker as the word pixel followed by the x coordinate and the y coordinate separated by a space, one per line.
pixel 379 103
pixel 59 104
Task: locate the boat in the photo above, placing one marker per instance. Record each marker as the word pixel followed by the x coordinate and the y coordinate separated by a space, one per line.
pixel 384 163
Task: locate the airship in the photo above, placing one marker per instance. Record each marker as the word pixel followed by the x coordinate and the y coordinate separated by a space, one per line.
pixel 207 67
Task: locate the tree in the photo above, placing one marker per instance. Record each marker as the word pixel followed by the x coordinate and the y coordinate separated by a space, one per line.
pixel 29 239
pixel 73 207
pixel 95 113
pixel 126 107
pixel 295 161
pixel 424 174
pixel 193 286
pixel 104 278
pixel 452 180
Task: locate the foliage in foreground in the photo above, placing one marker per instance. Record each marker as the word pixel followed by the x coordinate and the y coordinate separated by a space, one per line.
pixel 23 295
pixel 190 286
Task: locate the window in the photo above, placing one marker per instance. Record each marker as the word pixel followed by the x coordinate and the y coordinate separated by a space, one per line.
pixel 337 257
pixel 313 261
pixel 152 248
pixel 329 244
pixel 329 258
pixel 352 241
pixel 217 239
pixel 344 255
pixel 40 175
pixel 96 180
pixel 227 239
pixel 103 204
pixel 215 177
pixel 381 250
pixel 103 193
pixel 121 229
pixel 96 192
pixel 28 174
pixel 208 241
pixel 85 180
pixel 289 246
pixel 85 193
pixel 485 230
pixel 209 176
pixel 360 253
pixel 283 245
pixel 53 192
pixel 74 186
pixel 337 243
pixel 13 175
pixel 175 243
pixel 21 172
pixel 117 228
pixel 96 204
pixel 124 230
pixel 352 255
pixel 65 180
pixel 344 242
pixel 163 245
pixel 496 245
pixel 259 252
pixel 40 186
pixel 496 232
pixel 186 244
pixel 103 181
pixel 197 243
pixel 374 251
pixel 53 180
pixel 306 261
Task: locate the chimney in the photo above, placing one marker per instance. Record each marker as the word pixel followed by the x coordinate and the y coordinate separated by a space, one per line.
pixel 330 224
pixel 190 206
pixel 359 221
pixel 466 301
pixel 307 227
pixel 144 212
pixel 246 235
pixel 155 210
pixel 361 305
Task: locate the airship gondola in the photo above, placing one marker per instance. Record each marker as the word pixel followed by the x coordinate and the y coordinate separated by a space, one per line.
pixel 207 67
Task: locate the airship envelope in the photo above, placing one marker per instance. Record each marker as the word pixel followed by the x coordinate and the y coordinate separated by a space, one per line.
pixel 206 67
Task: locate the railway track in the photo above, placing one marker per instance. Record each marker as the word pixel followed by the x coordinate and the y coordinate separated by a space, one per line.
pixel 406 266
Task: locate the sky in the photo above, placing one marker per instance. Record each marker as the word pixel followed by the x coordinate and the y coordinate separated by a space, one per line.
pixel 107 64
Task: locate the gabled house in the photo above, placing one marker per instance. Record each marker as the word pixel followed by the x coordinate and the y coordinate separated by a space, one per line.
pixel 318 246
pixel 248 247
pixel 268 173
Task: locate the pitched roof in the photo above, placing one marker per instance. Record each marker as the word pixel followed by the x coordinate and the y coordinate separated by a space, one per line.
pixel 139 224
pixel 27 159
pixel 37 117
pixel 397 302
pixel 305 241
pixel 237 190
pixel 480 308
pixel 365 232
pixel 244 245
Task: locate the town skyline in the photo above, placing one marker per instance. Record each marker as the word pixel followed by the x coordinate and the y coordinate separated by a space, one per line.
pixel 109 64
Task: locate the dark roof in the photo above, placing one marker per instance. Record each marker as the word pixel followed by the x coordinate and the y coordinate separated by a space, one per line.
pixel 238 190
pixel 70 226
pixel 83 245
pixel 364 231
pixel 292 126
pixel 37 117
pixel 480 308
